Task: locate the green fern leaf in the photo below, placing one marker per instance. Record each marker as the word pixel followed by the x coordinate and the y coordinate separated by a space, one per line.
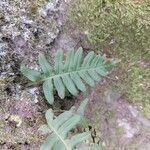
pixel 84 75
pixel 69 84
pixel 60 127
pixel 90 148
pixel 78 58
pixel 46 68
pixel 82 107
pixel 60 88
pixel 78 82
pixel 48 91
pixel 88 59
pixel 31 74
pixel 58 62
pixel 69 73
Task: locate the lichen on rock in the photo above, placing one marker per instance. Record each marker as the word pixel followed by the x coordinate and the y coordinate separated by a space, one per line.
pixel 24 24
pixel 26 28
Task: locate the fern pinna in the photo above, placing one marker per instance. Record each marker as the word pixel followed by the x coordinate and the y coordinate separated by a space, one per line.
pixel 70 73
pixel 58 128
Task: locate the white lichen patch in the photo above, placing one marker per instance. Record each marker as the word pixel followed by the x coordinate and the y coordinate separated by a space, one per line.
pixel 25 19
pixel 17 119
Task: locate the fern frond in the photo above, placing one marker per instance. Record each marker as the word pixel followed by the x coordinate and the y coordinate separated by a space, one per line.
pixel 70 73
pixel 58 128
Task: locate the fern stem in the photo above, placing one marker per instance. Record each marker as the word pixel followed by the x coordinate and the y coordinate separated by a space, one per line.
pixel 62 74
pixel 63 141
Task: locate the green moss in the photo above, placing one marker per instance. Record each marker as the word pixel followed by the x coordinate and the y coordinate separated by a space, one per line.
pixel 120 29
pixel 122 23
pixel 4 82
pixel 136 86
pixel 30 6
pixel 139 79
pixel 33 6
pixel 146 109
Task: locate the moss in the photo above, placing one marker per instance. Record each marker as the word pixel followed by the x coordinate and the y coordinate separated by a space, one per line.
pixel 139 82
pixel 4 82
pixel 136 86
pixel 119 25
pixel 33 6
pixel 146 109
pixel 120 29
pixel 30 6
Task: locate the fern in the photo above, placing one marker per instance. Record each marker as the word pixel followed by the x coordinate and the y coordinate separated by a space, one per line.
pixel 59 127
pixel 69 73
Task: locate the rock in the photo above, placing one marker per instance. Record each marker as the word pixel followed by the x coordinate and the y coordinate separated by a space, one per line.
pixel 16 119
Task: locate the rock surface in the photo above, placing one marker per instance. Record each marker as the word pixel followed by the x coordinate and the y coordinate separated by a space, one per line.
pixel 26 28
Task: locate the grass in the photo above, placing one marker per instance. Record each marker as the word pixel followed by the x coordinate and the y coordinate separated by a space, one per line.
pixel 120 29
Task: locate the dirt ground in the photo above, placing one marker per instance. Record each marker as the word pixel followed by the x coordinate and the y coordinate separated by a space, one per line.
pixel 29 27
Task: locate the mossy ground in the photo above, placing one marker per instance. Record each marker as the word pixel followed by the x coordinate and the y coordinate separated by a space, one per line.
pixel 120 29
